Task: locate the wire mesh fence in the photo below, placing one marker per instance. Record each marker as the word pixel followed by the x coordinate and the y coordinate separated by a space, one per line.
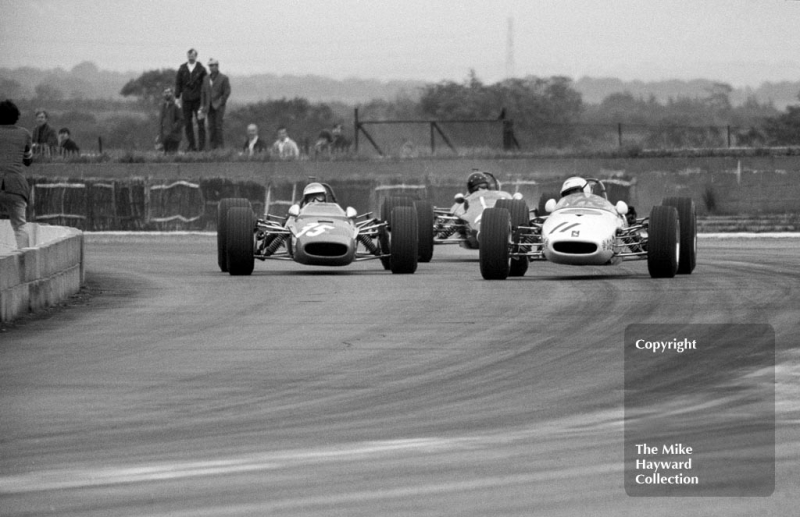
pixel 410 138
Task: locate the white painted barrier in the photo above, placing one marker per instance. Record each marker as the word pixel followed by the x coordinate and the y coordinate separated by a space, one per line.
pixel 46 273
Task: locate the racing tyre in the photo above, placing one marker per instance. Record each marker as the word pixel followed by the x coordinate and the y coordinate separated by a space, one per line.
pixel 384 240
pixel 222 230
pixel 687 218
pixel 520 216
pixel 405 240
pixel 425 231
pixel 239 246
pixel 386 211
pixel 494 240
pixel 663 242
pixel 518 210
pixel 518 267
pixel 390 203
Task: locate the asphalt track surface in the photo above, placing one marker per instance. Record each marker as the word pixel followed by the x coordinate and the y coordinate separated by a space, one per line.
pixel 178 390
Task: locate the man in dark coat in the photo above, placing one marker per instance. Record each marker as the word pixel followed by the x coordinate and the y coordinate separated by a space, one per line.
pixel 66 144
pixel 216 90
pixel 188 90
pixel 45 140
pixel 253 144
pixel 170 123
pixel 15 151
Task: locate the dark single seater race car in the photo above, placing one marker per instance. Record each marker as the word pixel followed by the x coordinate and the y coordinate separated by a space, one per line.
pixel 586 229
pixel 316 234
pixel 461 223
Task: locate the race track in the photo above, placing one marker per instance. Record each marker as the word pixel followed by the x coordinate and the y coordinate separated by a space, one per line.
pixel 180 391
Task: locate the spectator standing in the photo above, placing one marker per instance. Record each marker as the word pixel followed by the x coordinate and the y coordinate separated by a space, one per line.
pixel 45 141
pixel 216 90
pixel 253 144
pixel 188 90
pixel 16 150
pixel 284 147
pixel 66 145
pixel 170 123
pixel 323 143
pixel 339 143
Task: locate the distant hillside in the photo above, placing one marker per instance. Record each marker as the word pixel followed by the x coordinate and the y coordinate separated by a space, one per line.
pixel 84 81
pixel 316 88
pixel 594 90
pixel 87 81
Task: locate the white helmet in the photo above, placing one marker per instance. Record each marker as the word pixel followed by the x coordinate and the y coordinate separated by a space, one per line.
pixel 314 192
pixel 573 185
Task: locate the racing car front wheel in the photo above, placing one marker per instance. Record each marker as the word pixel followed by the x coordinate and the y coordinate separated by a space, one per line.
pixel 404 247
pixel 663 244
pixel 494 241
pixel 520 216
pixel 222 229
pixel 389 203
pixel 240 243
pixel 687 218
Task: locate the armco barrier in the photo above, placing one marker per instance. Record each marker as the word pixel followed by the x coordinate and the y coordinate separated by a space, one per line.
pixel 40 276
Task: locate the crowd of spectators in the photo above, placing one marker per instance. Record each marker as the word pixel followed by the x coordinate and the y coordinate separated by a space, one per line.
pixel 192 113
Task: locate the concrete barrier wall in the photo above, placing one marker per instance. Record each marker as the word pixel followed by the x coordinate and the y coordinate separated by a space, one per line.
pixel 45 274
pixel 185 195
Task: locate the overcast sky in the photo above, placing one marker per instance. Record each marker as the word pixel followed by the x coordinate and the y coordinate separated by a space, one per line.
pixel 742 42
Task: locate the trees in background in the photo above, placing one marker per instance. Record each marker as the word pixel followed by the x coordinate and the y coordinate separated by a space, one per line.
pixel 546 112
pixel 148 88
pixel 784 129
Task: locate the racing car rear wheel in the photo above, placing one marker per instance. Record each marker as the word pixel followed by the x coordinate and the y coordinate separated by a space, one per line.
pixel 687 218
pixel 390 202
pixel 494 241
pixel 425 220
pixel 405 244
pixel 239 245
pixel 384 241
pixel 518 267
pixel 663 244
pixel 222 232
pixel 518 209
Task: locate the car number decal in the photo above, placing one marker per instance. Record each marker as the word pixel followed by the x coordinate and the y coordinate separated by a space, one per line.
pixel 314 229
pixel 573 225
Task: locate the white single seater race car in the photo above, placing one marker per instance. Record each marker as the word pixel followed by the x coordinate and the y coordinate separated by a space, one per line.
pixel 586 229
pixel 317 232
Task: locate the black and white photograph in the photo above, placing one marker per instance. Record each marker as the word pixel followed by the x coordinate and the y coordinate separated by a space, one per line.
pixel 399 258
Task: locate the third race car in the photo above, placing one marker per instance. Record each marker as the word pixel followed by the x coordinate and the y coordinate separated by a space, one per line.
pixel 461 223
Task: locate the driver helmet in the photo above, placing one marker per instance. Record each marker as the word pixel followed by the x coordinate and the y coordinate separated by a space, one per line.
pixel 477 180
pixel 314 193
pixel 573 185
